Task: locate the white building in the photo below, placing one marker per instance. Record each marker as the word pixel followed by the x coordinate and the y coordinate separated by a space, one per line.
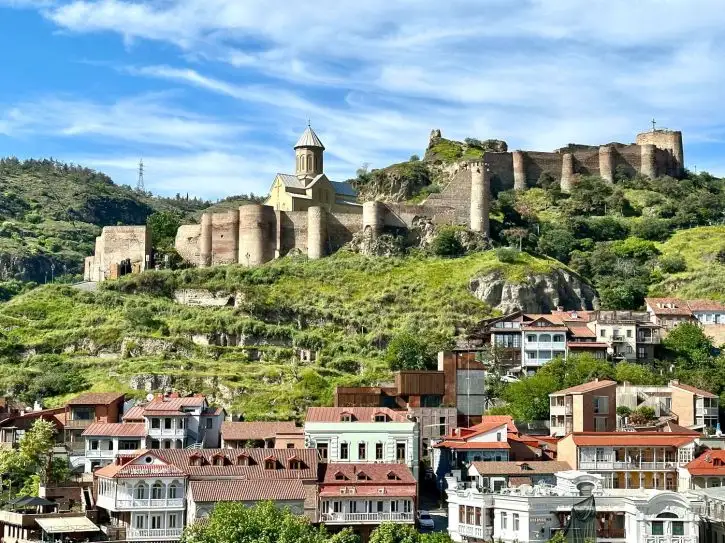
pixel 363 435
pixel 535 513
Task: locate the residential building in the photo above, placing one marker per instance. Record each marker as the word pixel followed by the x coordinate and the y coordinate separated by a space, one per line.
pixel 89 408
pixel 668 312
pixel 590 407
pixel 535 514
pixel 35 524
pixel 106 440
pixel 14 427
pixel 688 406
pixel 421 393
pixel 712 514
pixel 465 380
pixel 363 435
pixel 544 338
pixel 630 335
pixel 265 435
pixel 627 460
pixel 151 495
pixel 705 471
pixel 494 476
pixel 362 496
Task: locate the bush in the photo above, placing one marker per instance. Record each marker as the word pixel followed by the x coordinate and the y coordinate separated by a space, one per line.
pixel 446 244
pixel 720 257
pixel 651 229
pixel 506 255
pixel 672 263
pixel 623 411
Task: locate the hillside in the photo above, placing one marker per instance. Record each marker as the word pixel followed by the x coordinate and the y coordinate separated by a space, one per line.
pixel 130 334
pixel 50 214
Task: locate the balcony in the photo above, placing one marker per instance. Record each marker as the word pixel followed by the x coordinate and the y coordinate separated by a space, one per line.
pixel 710 412
pixel 670 539
pixel 617 339
pixel 545 346
pixel 152 533
pixel 149 503
pixel 618 465
pixel 100 453
pixel 171 433
pixel 479 532
pixel 77 424
pixel 611 533
pixel 568 409
pixel 650 340
pixel 365 518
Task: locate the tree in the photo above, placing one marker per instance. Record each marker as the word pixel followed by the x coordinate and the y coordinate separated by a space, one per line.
pixel 163 226
pixel 651 229
pixel 556 243
pixel 410 351
pixel 674 263
pixel 689 345
pixel 528 399
pixel 389 532
pixel 232 522
pixel 446 244
pixel 635 374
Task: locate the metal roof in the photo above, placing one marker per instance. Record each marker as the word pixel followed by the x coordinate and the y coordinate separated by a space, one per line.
pixel 344 188
pixel 309 139
pixel 67 525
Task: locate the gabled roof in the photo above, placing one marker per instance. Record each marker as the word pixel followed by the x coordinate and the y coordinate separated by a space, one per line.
pixel 309 139
pixel 380 479
pixel 238 431
pixel 475 445
pixel 132 469
pixel 498 419
pixel 343 188
pixel 116 429
pixel 693 390
pixel 708 463
pixel 521 468
pixel 360 414
pixel 96 398
pixel 668 306
pixel 236 490
pixel 623 439
pixel 585 387
pixel 705 305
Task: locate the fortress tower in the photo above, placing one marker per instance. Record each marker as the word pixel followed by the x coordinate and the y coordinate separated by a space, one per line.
pixel 669 141
pixel 308 152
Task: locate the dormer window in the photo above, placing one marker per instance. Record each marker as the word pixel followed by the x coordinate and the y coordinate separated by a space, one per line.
pixel 218 460
pixel 270 463
pixel 717 462
pixel 346 417
pixel 196 459
pixel 362 476
pixel 381 417
pixel 295 463
pixel 340 476
pixel 525 467
pixel 392 476
pixel 244 460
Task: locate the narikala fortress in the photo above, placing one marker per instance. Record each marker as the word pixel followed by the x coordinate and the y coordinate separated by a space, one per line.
pixel 307 212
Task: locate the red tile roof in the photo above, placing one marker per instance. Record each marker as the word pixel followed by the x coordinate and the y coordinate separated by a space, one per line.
pixel 581 331
pixel 238 431
pixel 175 404
pixel 708 463
pixel 573 316
pixel 705 305
pixel 499 419
pixel 622 439
pixel 677 306
pixel 96 398
pixel 131 469
pixel 696 391
pixel 360 414
pixel 561 328
pixel 116 429
pixel 368 479
pixel 236 490
pixel 135 413
pixel 585 387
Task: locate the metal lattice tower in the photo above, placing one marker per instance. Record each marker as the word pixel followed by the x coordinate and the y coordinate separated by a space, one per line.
pixel 140 185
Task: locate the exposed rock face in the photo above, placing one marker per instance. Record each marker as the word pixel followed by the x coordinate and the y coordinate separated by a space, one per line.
pixel 204 298
pixel 538 293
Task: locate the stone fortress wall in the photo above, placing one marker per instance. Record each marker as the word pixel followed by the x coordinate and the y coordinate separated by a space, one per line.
pixel 255 233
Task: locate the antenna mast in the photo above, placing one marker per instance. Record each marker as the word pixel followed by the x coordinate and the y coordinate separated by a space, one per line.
pixel 140 185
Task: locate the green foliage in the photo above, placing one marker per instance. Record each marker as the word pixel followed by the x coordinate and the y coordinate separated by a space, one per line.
pixel 636 374
pixel 652 229
pixel 623 411
pixel 163 226
pixel 672 263
pixel 411 351
pixel 557 243
pixel 689 345
pixel 446 243
pixel 642 416
pixel 506 255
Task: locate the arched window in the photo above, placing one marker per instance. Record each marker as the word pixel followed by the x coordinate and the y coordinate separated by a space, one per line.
pixel 139 492
pixel 309 163
pixel 173 490
pixel 545 338
pixel 559 338
pixel 157 491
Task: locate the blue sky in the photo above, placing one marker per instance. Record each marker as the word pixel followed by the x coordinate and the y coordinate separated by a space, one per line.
pixel 213 93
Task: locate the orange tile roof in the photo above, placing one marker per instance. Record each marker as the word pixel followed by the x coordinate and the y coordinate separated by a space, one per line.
pixel 510 425
pixel 581 331
pixel 116 429
pixel 237 431
pixel 135 413
pixel 448 444
pixel 586 387
pixel 96 398
pixel 679 306
pixel 705 305
pixel 360 414
pixel 236 490
pixel 632 439
pixel 708 463
pixel 393 479
pixel 697 391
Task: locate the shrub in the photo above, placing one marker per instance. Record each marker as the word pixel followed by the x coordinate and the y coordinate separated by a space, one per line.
pixel 623 411
pixel 651 229
pixel 446 244
pixel 506 255
pixel 720 257
pixel 672 263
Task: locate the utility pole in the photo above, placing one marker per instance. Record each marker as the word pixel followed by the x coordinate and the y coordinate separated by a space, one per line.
pixel 140 185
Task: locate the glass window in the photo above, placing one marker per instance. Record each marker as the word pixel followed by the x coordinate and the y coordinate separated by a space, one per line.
pixel 209 423
pixel 155 423
pixel 378 451
pixel 344 451
pixel 530 338
pixel 658 527
pixel 559 338
pixel 516 522
pixel 678 528
pixel 361 450
pixel 546 338
pixel 503 521
pixel 167 424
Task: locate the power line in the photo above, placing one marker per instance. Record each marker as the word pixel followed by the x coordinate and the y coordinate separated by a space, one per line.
pixel 140 185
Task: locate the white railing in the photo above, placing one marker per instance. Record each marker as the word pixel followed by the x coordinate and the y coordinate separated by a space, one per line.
pixel 545 345
pixel 149 503
pixel 670 465
pixel 170 432
pixel 366 517
pixel 152 533
pixel 478 532
pixel 669 539
pixel 101 453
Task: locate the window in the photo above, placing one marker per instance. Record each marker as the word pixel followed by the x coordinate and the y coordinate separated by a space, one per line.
pixel 545 338
pixel 140 492
pixel 346 417
pixel 378 451
pixel 641 353
pixel 209 423
pixel 167 424
pixel 270 463
pixel 504 521
pixel 322 450
pixel 658 527
pixel 600 424
pixel 157 491
pixel 290 445
pixel 94 444
pixel 381 417
pixel 155 423
pixel 361 451
pixel 182 423
pixel 601 405
pixel 394 506
pixel 380 507
pixel 156 522
pixel 559 338
pixel 172 521
pixel 400 452
pixel 139 522
pixel 498 436
pixel 442 426
pixel 678 528
pixel 530 355
pixel 340 476
pixel 530 338
pixel 516 522
pixel 344 452
pixel 603 332
pixel 173 491
pixel 629 332
pixel 295 463
pixel 407 506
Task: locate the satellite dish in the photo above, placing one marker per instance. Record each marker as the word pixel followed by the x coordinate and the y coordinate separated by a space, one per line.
pixel 149 397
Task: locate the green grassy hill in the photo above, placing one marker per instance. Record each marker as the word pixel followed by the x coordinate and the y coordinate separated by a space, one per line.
pixel 345 308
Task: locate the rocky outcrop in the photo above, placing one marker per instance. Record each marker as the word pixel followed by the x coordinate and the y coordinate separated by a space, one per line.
pixel 205 298
pixel 537 293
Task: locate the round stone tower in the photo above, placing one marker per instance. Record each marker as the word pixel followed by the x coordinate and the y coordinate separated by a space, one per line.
pixel 316 232
pixel 670 141
pixel 253 229
pixel 519 170
pixel 308 153
pixel 648 166
pixel 606 163
pixel 205 241
pixel 567 172
pixel 480 198
pixel 373 218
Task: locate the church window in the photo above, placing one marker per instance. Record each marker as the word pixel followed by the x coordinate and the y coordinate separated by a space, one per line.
pixel 309 163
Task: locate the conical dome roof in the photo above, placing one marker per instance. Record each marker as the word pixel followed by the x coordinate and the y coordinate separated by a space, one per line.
pixel 309 139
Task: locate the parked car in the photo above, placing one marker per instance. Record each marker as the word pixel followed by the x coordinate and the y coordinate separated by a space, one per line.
pixel 425 521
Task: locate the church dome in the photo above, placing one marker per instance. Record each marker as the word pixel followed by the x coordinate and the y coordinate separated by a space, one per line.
pixel 309 139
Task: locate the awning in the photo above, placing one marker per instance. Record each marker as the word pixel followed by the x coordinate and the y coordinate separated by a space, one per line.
pixel 62 525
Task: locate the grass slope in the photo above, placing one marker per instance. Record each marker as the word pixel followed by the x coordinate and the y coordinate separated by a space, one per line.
pixel 345 307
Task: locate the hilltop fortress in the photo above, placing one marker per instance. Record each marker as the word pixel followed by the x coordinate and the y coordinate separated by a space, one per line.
pixel 307 213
